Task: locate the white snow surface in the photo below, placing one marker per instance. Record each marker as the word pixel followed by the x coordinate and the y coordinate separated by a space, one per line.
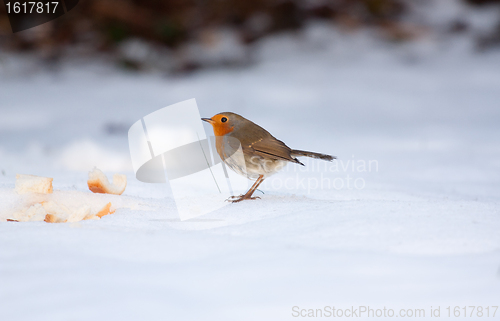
pixel 422 230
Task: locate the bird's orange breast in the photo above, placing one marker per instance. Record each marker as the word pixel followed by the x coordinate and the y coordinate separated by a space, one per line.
pixel 222 129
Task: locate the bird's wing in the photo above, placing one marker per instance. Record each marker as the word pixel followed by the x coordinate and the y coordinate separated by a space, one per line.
pixel 271 147
pixel 258 141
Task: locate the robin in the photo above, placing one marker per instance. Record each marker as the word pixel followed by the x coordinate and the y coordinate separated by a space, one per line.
pixel 263 154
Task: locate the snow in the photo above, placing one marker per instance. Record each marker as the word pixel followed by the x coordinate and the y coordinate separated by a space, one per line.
pixel 422 231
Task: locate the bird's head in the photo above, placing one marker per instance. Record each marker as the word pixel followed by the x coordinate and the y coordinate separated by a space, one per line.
pixel 224 123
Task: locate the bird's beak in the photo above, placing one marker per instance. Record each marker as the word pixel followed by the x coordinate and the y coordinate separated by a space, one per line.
pixel 208 120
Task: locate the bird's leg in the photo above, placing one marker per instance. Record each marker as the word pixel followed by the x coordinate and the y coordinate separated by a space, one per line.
pixel 248 195
pixel 251 190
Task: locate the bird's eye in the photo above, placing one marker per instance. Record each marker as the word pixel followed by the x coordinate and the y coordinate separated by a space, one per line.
pixel 223 119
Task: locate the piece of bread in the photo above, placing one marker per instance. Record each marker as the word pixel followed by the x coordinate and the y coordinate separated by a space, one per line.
pixel 60 213
pixel 105 210
pixel 56 213
pixel 38 202
pixel 99 183
pixel 33 184
pixel 33 213
pixel 51 218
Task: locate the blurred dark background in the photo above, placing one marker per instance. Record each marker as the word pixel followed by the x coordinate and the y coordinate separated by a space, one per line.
pixel 140 34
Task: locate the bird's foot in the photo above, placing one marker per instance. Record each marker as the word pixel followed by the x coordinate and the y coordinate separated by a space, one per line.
pixel 236 199
pixel 232 198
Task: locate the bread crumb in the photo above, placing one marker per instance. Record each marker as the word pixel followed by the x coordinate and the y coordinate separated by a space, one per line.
pixel 33 184
pixel 32 213
pixel 50 218
pixel 99 183
pixel 105 211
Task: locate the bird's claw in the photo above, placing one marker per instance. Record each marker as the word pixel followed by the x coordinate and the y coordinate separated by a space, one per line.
pixel 236 199
pixel 231 198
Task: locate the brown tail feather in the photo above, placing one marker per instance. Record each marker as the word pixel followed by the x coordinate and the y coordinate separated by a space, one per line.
pixel 296 152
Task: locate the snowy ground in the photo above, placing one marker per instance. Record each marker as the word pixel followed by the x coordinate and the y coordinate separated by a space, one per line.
pixel 422 231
